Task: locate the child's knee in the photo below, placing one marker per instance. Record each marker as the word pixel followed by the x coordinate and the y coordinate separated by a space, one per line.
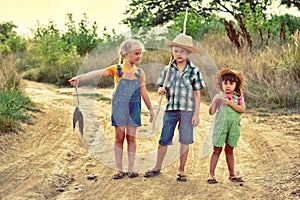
pixel 228 150
pixel 130 139
pixel 217 150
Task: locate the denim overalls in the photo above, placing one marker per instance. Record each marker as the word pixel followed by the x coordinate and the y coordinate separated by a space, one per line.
pixel 227 126
pixel 126 102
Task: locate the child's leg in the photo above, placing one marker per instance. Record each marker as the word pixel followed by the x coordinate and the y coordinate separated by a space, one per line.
pixel 161 152
pixel 230 159
pixel 131 146
pixel 184 151
pixel 214 160
pixel 119 140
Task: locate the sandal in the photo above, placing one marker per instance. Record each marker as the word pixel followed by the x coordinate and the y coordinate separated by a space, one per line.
pixel 211 180
pixel 181 177
pixel 119 175
pixel 151 173
pixel 132 174
pixel 235 178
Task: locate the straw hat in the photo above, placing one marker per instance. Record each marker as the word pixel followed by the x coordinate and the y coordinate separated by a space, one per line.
pixel 184 41
pixel 233 72
pixel 238 75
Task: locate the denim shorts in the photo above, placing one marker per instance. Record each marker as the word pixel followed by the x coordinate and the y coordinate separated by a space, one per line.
pixel 184 120
pixel 126 113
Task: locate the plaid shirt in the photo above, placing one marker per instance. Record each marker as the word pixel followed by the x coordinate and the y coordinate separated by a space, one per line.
pixel 179 88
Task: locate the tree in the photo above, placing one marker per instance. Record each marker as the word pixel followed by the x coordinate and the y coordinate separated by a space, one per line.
pixel 85 39
pixel 291 3
pixel 151 13
pixel 247 24
pixel 10 41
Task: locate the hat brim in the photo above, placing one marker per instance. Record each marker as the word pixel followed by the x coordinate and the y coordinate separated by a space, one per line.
pixel 230 71
pixel 170 43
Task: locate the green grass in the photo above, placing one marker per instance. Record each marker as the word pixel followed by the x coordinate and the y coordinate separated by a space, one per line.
pixel 14 109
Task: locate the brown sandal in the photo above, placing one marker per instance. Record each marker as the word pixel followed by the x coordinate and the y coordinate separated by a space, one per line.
pixel 151 173
pixel 211 180
pixel 118 175
pixel 132 174
pixel 181 178
pixel 235 178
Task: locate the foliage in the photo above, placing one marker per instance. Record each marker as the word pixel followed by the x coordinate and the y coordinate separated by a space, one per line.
pixel 272 74
pixel 197 26
pixel 145 13
pixel 9 77
pixel 55 55
pixel 13 104
pixel 83 38
pixel 272 68
pixel 250 23
pixel 291 3
pixel 11 42
pixel 255 30
pixel 13 109
pixel 159 12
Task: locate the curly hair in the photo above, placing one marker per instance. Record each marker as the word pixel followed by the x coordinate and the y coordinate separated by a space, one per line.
pixel 230 75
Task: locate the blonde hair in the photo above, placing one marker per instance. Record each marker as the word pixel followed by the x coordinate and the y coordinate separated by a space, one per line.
pixel 128 46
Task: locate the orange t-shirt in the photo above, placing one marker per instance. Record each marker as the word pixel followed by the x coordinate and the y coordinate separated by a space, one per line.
pixel 128 73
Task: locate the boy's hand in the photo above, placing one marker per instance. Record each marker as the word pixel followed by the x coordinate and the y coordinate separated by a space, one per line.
pixel 195 120
pixel 161 90
pixel 151 112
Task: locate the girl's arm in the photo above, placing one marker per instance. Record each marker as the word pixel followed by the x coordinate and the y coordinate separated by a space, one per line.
pixel 196 119
pixel 146 98
pixel 75 80
pixel 240 108
pixel 212 108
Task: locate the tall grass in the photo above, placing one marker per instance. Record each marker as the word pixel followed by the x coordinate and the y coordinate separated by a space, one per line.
pixel 13 104
pixel 272 74
pixel 9 77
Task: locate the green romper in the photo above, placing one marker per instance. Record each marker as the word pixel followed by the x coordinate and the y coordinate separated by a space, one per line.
pixel 227 126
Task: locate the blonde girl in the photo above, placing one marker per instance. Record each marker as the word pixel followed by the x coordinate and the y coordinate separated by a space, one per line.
pixel 126 102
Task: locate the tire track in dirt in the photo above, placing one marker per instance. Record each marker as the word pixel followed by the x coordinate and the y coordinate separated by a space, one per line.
pixel 48 161
pixel 42 145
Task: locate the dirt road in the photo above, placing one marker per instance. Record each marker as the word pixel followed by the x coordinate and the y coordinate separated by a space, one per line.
pixel 47 160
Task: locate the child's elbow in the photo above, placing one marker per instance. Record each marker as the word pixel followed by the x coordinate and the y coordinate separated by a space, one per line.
pixel 243 110
pixel 211 111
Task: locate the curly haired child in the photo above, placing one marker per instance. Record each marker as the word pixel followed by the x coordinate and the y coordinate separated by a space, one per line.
pixel 229 104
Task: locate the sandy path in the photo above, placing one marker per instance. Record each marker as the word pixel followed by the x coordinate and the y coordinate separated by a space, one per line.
pixel 48 161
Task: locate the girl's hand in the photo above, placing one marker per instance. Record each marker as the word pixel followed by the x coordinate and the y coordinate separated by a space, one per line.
pixel 151 112
pixel 226 101
pixel 218 101
pixel 161 90
pixel 74 81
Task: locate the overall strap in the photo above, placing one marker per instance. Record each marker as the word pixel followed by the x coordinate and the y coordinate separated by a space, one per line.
pixel 120 73
pixel 236 97
pixel 139 72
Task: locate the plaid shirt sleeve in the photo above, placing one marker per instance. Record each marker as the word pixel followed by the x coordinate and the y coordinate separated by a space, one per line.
pixel 198 82
pixel 161 78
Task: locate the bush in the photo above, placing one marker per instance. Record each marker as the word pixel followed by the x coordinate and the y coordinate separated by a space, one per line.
pixel 13 109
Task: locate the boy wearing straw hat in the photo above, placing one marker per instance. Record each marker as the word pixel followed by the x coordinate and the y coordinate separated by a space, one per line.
pixel 183 84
